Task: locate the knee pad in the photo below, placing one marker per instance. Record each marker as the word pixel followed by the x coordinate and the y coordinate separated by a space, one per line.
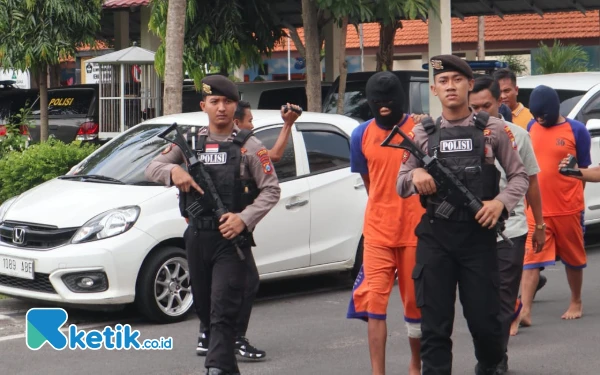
pixel 414 330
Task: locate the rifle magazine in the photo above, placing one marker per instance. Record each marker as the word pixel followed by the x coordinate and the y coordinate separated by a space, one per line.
pixel 444 210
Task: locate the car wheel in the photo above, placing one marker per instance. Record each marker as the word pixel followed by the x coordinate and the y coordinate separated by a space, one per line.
pixel 358 260
pixel 163 291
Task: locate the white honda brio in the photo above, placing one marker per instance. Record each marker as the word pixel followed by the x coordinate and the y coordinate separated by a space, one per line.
pixel 103 235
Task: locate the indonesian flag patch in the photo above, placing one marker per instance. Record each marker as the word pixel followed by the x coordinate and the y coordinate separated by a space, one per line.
pixel 212 147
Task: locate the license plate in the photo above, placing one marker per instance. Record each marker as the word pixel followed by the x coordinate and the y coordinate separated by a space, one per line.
pixel 17 267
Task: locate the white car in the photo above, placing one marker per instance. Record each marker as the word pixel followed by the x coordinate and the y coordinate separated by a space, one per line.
pixel 113 238
pixel 580 100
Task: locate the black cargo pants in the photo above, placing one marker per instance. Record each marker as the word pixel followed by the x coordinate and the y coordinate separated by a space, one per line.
pixel 510 264
pixel 250 291
pixel 451 253
pixel 218 278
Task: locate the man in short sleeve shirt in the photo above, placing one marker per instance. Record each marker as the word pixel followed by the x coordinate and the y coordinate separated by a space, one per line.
pixel 554 137
pixel 389 225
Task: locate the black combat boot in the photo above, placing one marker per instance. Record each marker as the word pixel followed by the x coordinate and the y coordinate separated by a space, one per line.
pixel 486 371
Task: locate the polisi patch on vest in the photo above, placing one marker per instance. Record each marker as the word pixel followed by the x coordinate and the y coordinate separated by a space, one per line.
pixel 213 157
pixel 456 145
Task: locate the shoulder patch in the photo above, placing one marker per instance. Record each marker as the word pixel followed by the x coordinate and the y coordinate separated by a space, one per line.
pixel 265 161
pixel 487 132
pixel 168 149
pixel 511 136
pixel 262 153
pixel 406 154
pixel 267 168
pixel 243 151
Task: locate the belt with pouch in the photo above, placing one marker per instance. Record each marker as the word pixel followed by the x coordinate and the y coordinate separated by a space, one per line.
pixel 210 223
pixel 205 223
pixel 459 214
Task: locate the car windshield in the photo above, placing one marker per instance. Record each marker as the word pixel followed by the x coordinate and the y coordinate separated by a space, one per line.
pixel 11 102
pixel 66 102
pixel 355 101
pixel 126 157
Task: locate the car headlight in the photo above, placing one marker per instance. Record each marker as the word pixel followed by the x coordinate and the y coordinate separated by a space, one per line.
pixel 5 206
pixel 108 224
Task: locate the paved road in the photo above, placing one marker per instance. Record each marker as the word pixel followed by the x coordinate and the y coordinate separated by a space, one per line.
pixel 306 332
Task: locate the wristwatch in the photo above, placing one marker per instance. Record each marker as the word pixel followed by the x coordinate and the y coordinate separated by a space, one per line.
pixel 540 226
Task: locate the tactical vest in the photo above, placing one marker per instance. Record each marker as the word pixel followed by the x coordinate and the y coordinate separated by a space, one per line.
pixel 234 183
pixel 462 150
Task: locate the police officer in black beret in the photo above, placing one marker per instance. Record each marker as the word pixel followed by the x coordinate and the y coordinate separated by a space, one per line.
pixel 245 179
pixel 460 248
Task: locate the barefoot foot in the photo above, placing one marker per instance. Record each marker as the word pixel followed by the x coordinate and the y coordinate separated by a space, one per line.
pixel 575 311
pixel 525 319
pixel 514 327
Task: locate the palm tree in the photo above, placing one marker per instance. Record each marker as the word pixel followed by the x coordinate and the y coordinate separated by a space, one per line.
pixel 37 34
pixel 560 58
pixel 174 57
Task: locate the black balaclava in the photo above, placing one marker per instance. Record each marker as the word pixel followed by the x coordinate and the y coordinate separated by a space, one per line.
pixel 385 90
pixel 544 103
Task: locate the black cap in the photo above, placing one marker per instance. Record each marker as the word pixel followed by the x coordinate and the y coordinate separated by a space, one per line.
pixel 221 86
pixel 450 63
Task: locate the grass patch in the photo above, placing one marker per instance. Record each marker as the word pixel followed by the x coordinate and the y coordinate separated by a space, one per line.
pixel 2 297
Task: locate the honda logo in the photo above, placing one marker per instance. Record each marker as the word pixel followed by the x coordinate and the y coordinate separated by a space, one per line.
pixel 18 236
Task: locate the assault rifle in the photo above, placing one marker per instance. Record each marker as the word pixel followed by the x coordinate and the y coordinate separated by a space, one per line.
pixel 453 193
pixel 201 176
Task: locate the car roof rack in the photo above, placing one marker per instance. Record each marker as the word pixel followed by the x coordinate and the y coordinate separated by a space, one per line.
pixel 8 84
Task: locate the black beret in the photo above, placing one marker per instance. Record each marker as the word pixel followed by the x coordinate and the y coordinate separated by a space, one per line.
pixel 221 86
pixel 450 63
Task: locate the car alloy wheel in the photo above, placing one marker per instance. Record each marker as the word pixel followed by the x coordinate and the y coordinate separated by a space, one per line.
pixel 172 287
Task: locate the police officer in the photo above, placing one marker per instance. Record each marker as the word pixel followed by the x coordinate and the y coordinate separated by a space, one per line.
pixel 243 120
pixel 461 249
pixel 247 184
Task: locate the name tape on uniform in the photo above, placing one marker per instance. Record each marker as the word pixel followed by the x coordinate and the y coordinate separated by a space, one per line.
pixel 213 157
pixel 456 145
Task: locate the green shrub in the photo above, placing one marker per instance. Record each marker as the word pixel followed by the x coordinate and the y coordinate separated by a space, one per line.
pixel 23 170
pixel 13 140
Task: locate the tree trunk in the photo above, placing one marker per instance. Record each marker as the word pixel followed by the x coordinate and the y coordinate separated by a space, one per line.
pixel 313 61
pixel 293 33
pixel 481 38
pixel 174 57
pixel 385 55
pixel 343 67
pixel 55 75
pixel 43 86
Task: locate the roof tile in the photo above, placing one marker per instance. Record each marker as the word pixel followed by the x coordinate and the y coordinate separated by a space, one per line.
pixel 562 25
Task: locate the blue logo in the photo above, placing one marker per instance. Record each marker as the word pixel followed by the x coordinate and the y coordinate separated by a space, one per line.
pixel 44 326
pixel 300 63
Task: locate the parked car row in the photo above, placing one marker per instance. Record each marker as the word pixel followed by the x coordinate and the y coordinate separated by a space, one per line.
pixel 73 111
pixel 125 244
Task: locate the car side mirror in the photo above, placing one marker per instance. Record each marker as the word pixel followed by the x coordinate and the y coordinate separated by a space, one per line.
pixel 593 127
pixel 593 124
